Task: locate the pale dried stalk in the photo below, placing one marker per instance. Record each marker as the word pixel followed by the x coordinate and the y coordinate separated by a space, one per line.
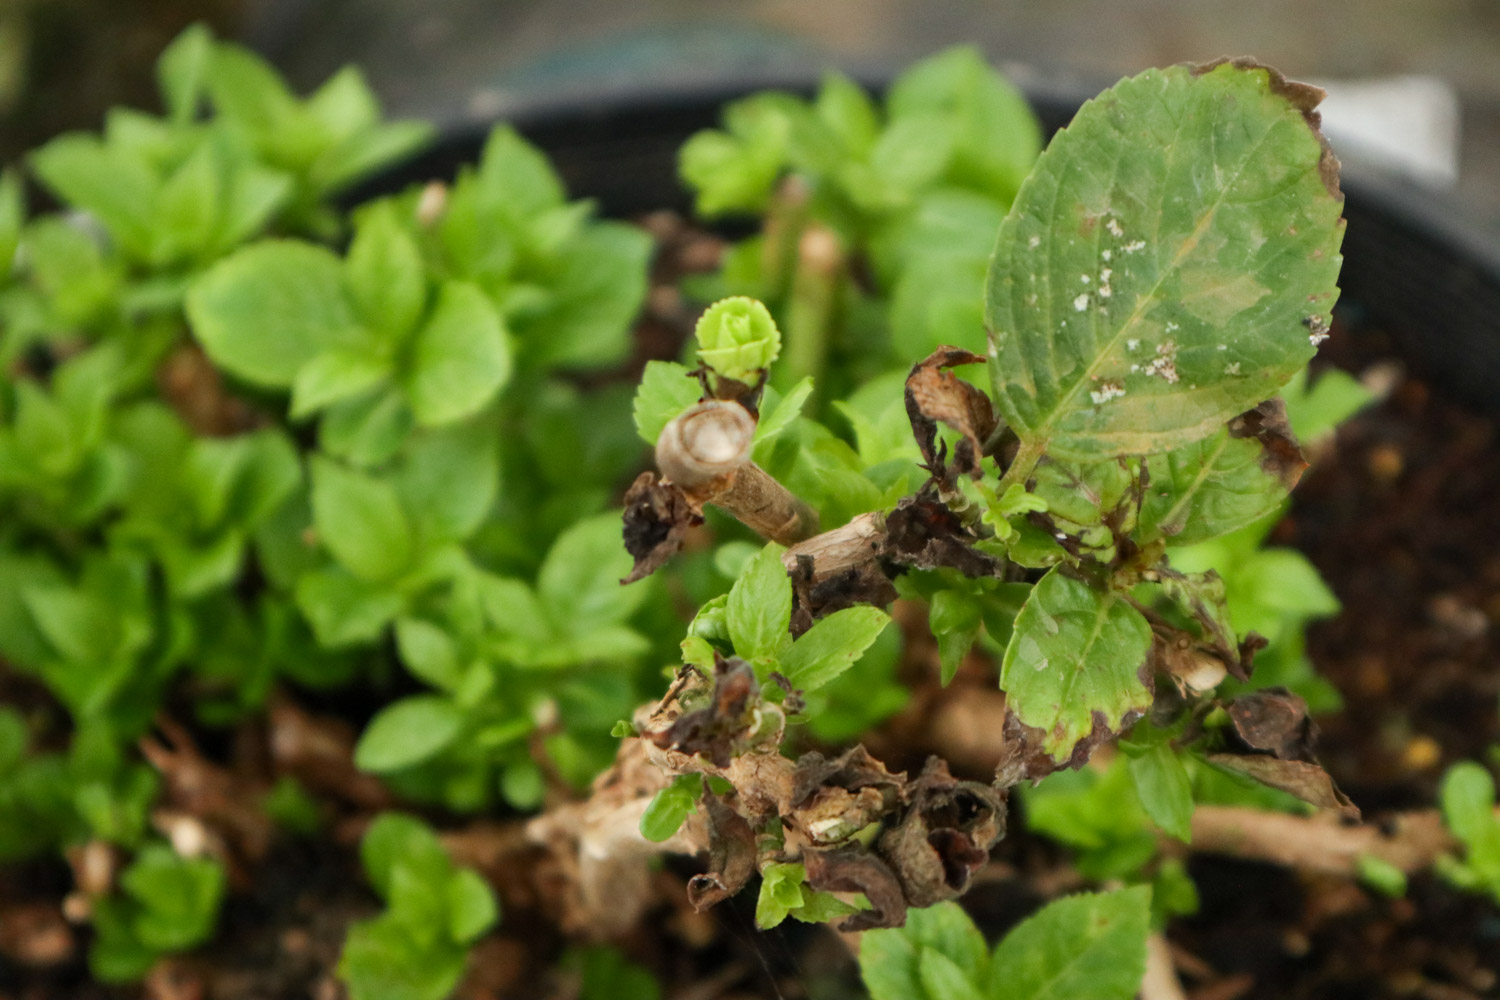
pixel 706 452
pixel 1411 841
pixel 1160 981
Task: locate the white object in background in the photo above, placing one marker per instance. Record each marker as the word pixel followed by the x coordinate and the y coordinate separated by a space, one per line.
pixel 1405 123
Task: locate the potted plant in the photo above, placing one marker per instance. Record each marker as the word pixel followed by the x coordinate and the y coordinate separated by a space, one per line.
pixel 278 472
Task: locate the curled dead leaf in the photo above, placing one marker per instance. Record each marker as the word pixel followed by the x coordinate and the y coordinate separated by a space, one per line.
pixel 731 855
pixel 1303 779
pixel 1274 721
pixel 924 533
pixel 945 835
pixel 658 516
pixel 935 396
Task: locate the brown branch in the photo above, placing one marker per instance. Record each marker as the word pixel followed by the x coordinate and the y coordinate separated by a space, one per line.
pixel 706 453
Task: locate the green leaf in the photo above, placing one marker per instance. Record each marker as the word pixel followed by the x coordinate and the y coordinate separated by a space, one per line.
pixel 670 806
pixel 334 376
pixel 942 979
pixel 1205 191
pixel 396 839
pixel 1209 488
pixel 360 520
pixel 366 431
pixel 519 174
pixel 1380 875
pixel 996 137
pixel 781 892
pixel 12 218
pixel 1083 946
pixel 608 976
pixel 785 413
pixel 666 390
pixel 77 624
pixel 342 609
pixel 954 617
pixel 596 294
pixel 182 70
pixel 384 272
pixel 1166 794
pixel 472 908
pixel 890 960
pixel 449 480
pixel 118 188
pixel 1468 800
pixel 1316 406
pixel 382 960
pixel 265 311
pixel 759 610
pixel 831 646
pixel 179 898
pixel 1076 651
pixel 408 732
pixel 734 170
pixel 460 357
pixel 579 582
pixel 429 653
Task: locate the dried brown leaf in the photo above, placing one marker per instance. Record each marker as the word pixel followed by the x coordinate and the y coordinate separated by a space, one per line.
pixel 1274 721
pixel 922 532
pixel 1305 780
pixel 854 869
pixel 945 835
pixel 934 396
pixel 731 855
pixel 658 516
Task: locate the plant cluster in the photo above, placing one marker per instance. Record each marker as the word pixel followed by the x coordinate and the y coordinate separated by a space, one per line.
pixel 254 446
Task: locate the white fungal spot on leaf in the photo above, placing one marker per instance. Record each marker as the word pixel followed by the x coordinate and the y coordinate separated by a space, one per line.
pixel 1165 362
pixel 1133 247
pixel 1081 302
pixel 1232 368
pixel 1113 225
pixel 1132 343
pixel 1106 392
pixel 1034 242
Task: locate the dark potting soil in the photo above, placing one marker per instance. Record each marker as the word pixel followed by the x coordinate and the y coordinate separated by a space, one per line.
pixel 1400 516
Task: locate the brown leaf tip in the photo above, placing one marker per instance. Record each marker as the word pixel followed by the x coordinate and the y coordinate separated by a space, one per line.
pixel 1302 96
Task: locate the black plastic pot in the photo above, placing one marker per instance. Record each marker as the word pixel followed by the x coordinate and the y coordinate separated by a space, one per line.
pixel 1413 265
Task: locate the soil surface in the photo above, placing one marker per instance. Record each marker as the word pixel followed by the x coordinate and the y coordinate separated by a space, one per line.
pixel 1400 517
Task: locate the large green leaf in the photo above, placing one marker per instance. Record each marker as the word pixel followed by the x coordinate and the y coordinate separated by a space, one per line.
pixel 1076 651
pixel 1169 263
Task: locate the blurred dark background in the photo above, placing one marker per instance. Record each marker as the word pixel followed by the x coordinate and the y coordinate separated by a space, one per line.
pixel 1436 107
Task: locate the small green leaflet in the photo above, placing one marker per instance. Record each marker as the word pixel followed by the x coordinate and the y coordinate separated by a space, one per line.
pixel 760 607
pixel 1075 651
pixel 1166 265
pixel 670 806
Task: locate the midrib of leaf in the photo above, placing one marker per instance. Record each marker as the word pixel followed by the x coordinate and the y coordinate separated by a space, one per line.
pixel 1065 404
pixel 1078 669
pixel 1185 497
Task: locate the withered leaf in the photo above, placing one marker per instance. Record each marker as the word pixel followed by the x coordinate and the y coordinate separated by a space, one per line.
pixel 657 518
pixel 1274 721
pixel 731 855
pixel 1281 455
pixel 854 869
pixel 719 728
pixel 935 396
pixel 1305 780
pixel 832 800
pixel 924 533
pixel 945 835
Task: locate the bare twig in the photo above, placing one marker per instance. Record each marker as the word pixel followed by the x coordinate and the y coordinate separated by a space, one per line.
pixel 1411 841
pixel 1160 982
pixel 706 453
